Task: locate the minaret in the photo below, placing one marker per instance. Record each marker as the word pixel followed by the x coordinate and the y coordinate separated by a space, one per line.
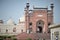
pixel 52 6
pixel 27 17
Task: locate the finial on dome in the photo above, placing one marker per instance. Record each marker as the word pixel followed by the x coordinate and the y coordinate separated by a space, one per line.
pixel 19 20
pixel 27 1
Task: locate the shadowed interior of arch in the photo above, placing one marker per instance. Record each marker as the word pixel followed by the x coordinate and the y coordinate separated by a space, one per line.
pixel 39 29
pixel 39 25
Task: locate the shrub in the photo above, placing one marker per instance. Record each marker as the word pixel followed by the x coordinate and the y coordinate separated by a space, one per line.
pixel 29 39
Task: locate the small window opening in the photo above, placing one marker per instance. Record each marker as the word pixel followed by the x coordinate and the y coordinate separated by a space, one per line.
pixel 14 29
pixel 21 30
pixel 6 30
pixel 49 24
pixel 30 24
pixel 39 23
pixel 43 39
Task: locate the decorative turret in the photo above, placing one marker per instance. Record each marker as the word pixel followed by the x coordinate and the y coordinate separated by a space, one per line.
pixel 52 6
pixel 27 5
pixel 27 8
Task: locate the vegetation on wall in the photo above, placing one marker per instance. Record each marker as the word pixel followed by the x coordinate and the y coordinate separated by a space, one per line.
pixel 9 37
pixel 28 39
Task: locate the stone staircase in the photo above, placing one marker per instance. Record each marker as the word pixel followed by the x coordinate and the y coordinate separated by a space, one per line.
pixel 33 36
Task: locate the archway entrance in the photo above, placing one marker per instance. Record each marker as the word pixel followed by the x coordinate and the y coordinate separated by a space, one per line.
pixel 39 29
pixel 39 25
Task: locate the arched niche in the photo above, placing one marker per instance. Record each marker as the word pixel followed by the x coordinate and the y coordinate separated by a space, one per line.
pixel 39 26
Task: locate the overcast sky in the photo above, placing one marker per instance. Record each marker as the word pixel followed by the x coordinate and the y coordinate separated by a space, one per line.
pixel 15 8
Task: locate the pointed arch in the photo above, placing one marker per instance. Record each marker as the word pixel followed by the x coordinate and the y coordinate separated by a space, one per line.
pixel 39 26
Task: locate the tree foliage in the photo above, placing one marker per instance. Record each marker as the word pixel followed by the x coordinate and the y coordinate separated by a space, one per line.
pixel 29 39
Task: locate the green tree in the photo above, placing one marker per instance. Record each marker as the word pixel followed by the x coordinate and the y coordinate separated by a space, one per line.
pixel 28 39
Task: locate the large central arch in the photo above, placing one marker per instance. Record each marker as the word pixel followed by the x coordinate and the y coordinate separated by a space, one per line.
pixel 39 26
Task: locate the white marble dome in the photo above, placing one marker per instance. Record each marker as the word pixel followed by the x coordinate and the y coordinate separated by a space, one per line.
pixel 22 19
pixel 10 22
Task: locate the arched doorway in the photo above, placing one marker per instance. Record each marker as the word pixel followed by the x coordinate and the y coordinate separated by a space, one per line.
pixel 39 26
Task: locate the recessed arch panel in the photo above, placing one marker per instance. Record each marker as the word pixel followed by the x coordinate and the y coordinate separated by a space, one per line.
pixel 39 26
